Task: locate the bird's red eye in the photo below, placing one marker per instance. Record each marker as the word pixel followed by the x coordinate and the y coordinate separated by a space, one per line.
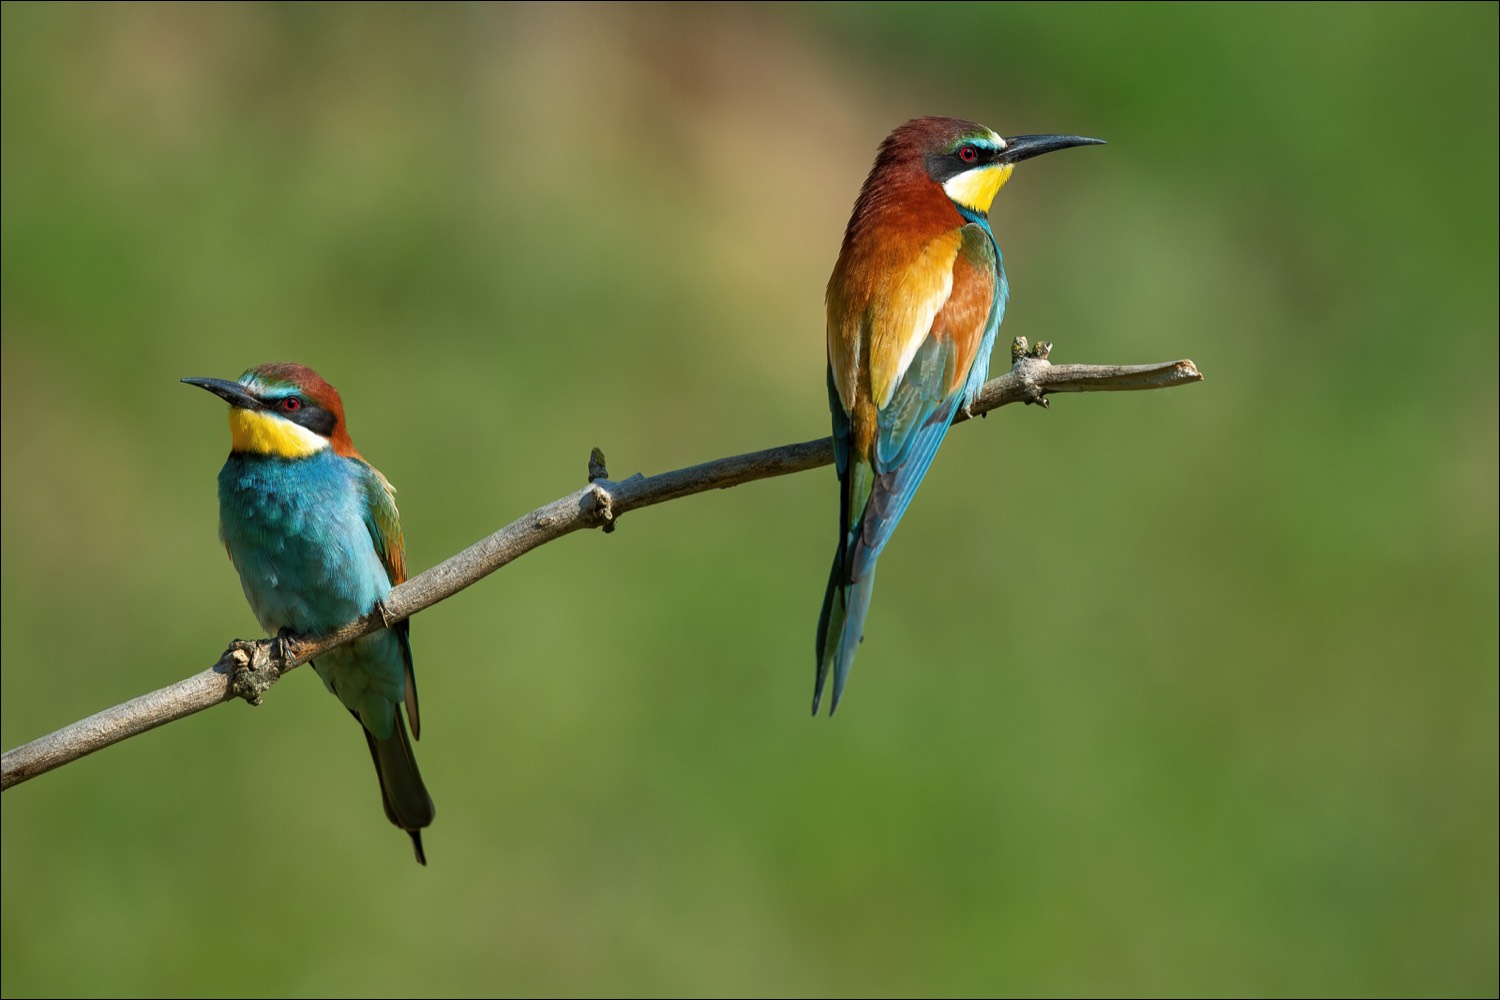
pixel 291 403
pixel 968 154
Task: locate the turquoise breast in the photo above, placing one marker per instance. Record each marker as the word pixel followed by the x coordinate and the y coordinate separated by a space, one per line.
pixel 297 532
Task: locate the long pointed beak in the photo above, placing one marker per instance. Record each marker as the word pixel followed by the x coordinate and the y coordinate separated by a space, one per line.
pixel 1024 147
pixel 232 392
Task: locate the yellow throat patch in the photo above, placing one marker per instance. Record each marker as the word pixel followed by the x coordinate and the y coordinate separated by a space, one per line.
pixel 262 433
pixel 976 189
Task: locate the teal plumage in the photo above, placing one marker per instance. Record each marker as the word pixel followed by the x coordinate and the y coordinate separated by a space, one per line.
pixel 313 531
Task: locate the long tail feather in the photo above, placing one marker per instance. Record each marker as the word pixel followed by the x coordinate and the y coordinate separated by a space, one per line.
pixel 407 804
pixel 856 600
pixel 841 627
pixel 831 621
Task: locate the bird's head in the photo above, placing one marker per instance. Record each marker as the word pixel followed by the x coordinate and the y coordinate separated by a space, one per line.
pixel 282 409
pixel 970 162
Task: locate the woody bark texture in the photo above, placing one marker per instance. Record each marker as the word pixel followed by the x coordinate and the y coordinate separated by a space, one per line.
pixel 247 668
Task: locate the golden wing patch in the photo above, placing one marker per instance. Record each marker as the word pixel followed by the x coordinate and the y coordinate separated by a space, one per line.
pixel 900 320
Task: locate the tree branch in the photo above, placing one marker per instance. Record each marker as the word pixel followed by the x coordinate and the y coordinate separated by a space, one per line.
pixel 247 668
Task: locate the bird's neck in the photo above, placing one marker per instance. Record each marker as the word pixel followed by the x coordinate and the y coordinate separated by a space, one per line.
pixel 978 218
pixel 904 206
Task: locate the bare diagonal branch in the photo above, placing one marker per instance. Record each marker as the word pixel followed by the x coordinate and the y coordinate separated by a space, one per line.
pixel 246 669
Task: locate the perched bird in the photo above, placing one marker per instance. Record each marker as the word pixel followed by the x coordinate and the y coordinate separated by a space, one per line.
pixel 914 303
pixel 312 529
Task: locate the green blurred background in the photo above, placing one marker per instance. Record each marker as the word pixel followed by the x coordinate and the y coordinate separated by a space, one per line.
pixel 1173 692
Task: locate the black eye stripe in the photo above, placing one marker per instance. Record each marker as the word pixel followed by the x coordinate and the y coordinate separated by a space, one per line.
pixel 945 165
pixel 314 418
pixel 305 413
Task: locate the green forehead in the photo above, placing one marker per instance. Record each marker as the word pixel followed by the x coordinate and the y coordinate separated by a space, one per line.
pixel 981 137
pixel 264 386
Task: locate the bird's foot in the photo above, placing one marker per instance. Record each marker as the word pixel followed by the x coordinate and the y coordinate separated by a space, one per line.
pixel 283 651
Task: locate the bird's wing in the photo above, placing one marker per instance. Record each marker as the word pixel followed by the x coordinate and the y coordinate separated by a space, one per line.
pixel 900 320
pixel 384 523
pixel 920 407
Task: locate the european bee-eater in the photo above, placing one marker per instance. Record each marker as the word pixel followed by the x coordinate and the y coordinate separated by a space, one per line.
pixel 914 303
pixel 313 530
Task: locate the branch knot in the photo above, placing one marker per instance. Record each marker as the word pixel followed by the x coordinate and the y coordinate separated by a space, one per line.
pixel 604 504
pixel 1029 364
pixel 254 665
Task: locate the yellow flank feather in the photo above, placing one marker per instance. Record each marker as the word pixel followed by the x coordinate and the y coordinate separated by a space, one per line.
pixel 900 322
pixel 264 433
pixel 976 189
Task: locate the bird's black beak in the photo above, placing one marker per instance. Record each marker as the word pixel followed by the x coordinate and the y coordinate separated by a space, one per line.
pixel 232 392
pixel 1024 147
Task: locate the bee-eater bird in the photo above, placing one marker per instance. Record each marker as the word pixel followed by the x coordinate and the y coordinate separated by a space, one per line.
pixel 914 304
pixel 312 529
